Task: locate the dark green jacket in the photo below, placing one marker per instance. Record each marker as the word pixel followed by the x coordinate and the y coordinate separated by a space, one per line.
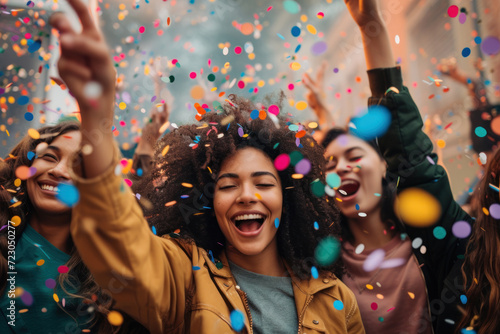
pixel 406 149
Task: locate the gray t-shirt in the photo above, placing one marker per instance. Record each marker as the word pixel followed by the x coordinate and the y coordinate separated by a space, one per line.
pixel 271 301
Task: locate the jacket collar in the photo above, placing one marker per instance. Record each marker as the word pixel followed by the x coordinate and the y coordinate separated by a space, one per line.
pixel 307 287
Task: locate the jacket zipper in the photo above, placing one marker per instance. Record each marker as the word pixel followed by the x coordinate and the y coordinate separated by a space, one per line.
pixel 426 293
pixel 309 299
pixel 247 308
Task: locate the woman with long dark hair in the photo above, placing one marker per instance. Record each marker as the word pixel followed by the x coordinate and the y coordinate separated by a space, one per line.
pixel 482 260
pixel 402 265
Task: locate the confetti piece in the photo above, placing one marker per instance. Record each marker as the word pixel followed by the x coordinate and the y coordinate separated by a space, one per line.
pixel 291 6
pixel 461 229
pixel 67 194
pixel 276 222
pixel 274 109
pixel 359 249
pixel 439 232
pixel 319 48
pixel 412 295
pixel 56 297
pixel 417 208
pixel 92 90
pixel 453 11
pixel 15 220
pixel 314 272
pixel 33 133
pixel 463 299
pixel 282 162
pixel 466 52
pixel 237 320
pixel 27 298
pixel 303 167
pixel 301 105
pixel 327 251
pixel 316 226
pixel 40 262
pixel 374 306
pixel 374 260
pixel 295 31
pixel 62 269
pixel 338 305
pixel 115 318
pixel 373 123
pixel 311 29
pixel 480 131
pixel 490 45
pixel 333 180
pixel 25 172
pixel 165 150
pixel 495 210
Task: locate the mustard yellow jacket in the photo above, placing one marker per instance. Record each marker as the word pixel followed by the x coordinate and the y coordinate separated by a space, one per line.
pixel 171 286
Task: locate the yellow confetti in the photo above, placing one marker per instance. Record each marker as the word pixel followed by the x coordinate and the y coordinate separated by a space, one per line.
pixel 56 298
pixel 369 287
pixel 311 29
pixel 187 185
pixel 412 295
pixel 165 150
pixel 441 143
pixel 15 220
pixel 33 133
pixel 24 310
pixel 379 296
pixel 297 176
pixel 122 105
pixel 258 196
pixel 170 203
pixel 417 207
pixel 40 262
pixel 295 66
pixel 115 318
pixel 301 105
pixel 312 125
pixel 486 212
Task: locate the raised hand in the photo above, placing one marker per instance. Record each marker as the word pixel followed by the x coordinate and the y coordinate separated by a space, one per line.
pixel 363 11
pixel 86 68
pixel 85 64
pixel 315 95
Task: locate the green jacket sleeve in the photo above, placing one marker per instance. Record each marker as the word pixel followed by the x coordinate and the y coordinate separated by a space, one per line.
pixel 411 163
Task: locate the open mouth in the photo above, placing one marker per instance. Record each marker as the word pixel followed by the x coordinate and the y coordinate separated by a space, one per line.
pixel 249 223
pixel 48 187
pixel 348 188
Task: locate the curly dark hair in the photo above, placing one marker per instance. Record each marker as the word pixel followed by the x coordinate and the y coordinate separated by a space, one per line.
pixel 181 184
pixel 78 278
pixel 388 188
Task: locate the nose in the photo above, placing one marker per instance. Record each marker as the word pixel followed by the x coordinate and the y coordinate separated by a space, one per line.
pixel 246 195
pixel 343 167
pixel 60 171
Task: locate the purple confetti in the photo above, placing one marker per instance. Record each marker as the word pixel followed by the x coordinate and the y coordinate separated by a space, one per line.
pixel 461 229
pixel 374 260
pixel 462 18
pixel 318 48
pixel 490 45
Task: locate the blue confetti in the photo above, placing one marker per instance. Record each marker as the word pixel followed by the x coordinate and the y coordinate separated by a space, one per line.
pixel 196 268
pixel 296 31
pixel 67 194
pixel 314 272
pixel 139 171
pixel 478 40
pixel 254 114
pixel 297 49
pixel 338 305
pixel 154 230
pixel 31 155
pixel 28 116
pixel 34 46
pixel 281 36
pixel 463 299
pixel 466 52
pixel 374 123
pixel 277 222
pixel 237 320
pixel 22 100
pixel 316 225
pixel 357 206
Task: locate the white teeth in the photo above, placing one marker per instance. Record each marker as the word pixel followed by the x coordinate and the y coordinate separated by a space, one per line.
pixel 48 187
pixel 347 182
pixel 246 217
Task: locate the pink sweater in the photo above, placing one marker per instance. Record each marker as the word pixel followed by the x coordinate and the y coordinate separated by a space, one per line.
pixel 391 300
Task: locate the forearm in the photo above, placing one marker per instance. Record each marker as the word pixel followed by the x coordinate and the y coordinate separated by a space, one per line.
pixel 98 146
pixel 377 45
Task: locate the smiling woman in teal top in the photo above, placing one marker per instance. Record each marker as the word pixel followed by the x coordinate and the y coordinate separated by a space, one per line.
pixel 44 285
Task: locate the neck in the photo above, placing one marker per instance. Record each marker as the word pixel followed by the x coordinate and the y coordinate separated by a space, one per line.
pixel 54 228
pixel 266 263
pixel 371 231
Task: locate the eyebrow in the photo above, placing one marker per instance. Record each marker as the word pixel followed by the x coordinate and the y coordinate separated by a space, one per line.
pixel 330 158
pixel 54 148
pixel 236 176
